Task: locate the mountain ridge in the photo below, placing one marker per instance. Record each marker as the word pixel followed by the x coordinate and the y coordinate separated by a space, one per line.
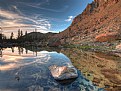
pixel 99 18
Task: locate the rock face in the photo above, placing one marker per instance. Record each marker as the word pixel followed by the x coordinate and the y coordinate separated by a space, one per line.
pixel 101 17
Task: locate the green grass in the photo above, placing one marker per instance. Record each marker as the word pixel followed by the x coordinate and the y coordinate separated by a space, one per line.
pixel 87 47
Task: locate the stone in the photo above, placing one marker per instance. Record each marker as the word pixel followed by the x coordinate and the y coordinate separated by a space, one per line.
pixel 63 72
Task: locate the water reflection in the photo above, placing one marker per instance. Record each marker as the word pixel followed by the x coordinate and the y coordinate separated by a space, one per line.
pixel 24 69
pixel 1 52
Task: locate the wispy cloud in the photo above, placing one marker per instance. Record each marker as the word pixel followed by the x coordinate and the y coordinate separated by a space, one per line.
pixel 8 15
pixel 40 6
pixel 15 8
pixel 17 20
pixel 70 18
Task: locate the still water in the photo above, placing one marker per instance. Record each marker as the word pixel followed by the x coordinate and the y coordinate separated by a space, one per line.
pixel 103 69
pixel 26 69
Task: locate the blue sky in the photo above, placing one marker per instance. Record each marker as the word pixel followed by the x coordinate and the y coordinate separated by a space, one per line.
pixel 44 15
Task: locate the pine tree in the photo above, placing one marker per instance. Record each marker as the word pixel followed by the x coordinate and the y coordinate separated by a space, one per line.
pixel 26 38
pixel 26 33
pixel 0 33
pixel 19 33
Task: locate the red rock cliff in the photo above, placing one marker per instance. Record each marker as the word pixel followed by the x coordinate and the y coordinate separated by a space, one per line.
pixel 99 17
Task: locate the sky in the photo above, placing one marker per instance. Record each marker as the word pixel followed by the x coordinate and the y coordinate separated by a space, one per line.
pixel 43 15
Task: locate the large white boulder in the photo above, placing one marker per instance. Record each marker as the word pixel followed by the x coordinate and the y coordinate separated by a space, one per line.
pixel 63 72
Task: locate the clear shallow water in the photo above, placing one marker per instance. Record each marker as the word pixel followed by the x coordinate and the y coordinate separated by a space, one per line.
pixel 103 69
pixel 25 70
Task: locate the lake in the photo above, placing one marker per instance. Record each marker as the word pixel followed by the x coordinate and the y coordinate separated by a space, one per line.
pixel 103 69
pixel 26 69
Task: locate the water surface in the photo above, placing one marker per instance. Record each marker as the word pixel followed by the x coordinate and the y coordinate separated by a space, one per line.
pixel 27 70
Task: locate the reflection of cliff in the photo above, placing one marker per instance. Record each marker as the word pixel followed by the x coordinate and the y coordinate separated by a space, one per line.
pixel 103 69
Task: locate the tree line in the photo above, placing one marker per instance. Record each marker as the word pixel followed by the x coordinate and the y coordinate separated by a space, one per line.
pixel 12 38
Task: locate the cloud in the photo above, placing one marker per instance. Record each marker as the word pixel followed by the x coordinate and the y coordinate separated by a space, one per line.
pixel 8 15
pixel 13 21
pixel 15 8
pixel 40 6
pixel 70 18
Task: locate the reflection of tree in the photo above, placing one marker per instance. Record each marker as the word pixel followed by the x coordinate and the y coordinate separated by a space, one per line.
pixel 20 50
pixel 12 49
pixel 26 51
pixel 1 52
pixel 36 51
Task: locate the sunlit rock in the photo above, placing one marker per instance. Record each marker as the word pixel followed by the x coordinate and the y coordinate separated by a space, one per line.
pixel 63 72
